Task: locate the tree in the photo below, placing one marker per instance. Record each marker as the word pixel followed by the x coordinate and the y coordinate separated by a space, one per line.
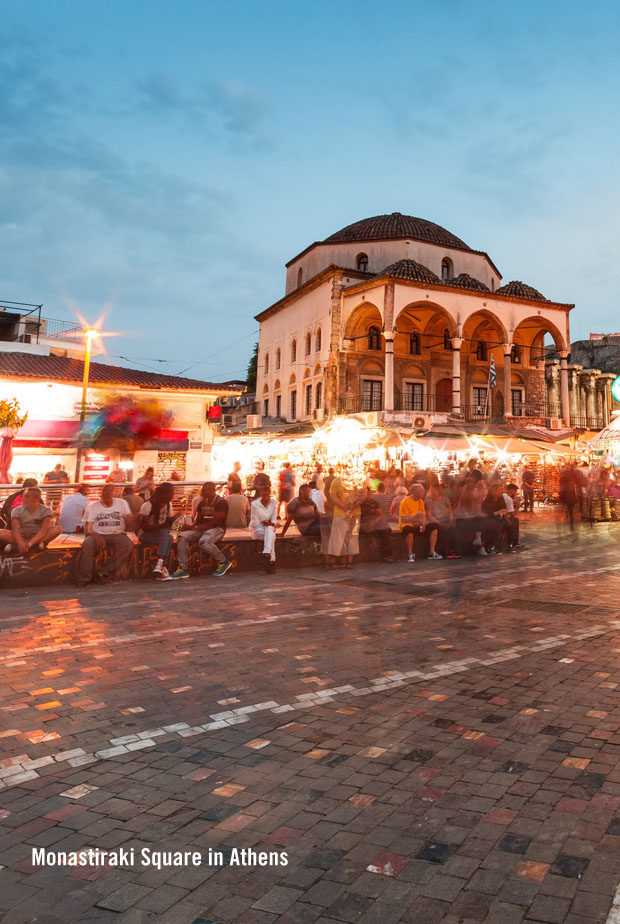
pixel 10 415
pixel 252 370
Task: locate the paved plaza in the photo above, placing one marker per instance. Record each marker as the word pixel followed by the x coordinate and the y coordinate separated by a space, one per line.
pixel 420 743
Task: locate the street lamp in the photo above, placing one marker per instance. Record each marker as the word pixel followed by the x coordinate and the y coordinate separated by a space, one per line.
pixel 89 333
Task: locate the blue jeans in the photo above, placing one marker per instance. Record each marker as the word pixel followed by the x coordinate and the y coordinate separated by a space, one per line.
pixel 159 537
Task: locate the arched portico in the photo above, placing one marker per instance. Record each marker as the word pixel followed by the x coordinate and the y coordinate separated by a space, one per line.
pixel 530 333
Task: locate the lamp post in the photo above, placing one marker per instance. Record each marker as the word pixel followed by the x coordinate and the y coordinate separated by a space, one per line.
pixel 90 333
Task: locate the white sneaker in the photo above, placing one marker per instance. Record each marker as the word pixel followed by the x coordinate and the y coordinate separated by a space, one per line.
pixel 483 551
pixel 159 567
pixel 434 556
pixel 411 558
pixel 164 574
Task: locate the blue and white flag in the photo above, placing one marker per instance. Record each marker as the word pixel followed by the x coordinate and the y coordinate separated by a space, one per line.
pixel 492 373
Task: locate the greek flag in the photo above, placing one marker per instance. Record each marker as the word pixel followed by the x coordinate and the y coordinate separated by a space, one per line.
pixel 492 373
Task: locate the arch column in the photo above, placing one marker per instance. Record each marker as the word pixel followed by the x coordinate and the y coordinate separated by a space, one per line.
pixel 564 396
pixel 507 379
pixel 591 409
pixel 456 375
pixel 388 399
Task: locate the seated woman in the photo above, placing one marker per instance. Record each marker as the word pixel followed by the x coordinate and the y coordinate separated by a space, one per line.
pixel 469 519
pixel 263 521
pixel 31 525
pixel 156 517
pixel 494 508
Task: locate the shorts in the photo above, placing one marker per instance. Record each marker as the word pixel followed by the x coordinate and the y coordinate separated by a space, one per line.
pixel 285 495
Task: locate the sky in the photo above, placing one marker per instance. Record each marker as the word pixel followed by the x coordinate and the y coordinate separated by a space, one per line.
pixel 163 160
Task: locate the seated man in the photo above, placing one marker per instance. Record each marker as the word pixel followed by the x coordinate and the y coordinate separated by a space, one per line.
pixel 412 517
pixel 439 512
pixel 31 525
pixel 208 527
pixel 106 522
pixel 238 507
pixel 373 523
pixel 494 508
pixel 72 511
pixel 263 523
pixel 134 502
pixel 304 513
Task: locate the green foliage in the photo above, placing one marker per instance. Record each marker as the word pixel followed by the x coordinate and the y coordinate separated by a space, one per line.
pixel 10 415
pixel 253 369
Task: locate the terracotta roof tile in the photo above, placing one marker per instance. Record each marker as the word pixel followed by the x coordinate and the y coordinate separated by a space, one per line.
pixel 64 369
pixel 465 281
pixel 410 269
pixel 519 289
pixel 396 227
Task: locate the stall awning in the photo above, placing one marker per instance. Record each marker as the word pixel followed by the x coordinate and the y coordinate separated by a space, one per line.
pixel 518 446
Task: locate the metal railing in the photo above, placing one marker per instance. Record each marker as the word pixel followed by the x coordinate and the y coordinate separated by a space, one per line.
pixel 62 330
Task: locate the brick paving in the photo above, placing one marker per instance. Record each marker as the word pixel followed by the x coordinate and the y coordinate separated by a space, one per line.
pixel 426 743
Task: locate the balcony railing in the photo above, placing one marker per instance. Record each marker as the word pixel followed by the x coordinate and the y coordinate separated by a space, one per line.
pixel 62 330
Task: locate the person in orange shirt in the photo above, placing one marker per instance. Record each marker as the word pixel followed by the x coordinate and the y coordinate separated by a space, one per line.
pixel 412 517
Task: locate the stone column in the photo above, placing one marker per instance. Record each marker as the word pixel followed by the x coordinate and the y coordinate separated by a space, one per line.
pixel 456 376
pixel 591 400
pixel 388 399
pixel 507 380
pixel 564 387
pixel 574 390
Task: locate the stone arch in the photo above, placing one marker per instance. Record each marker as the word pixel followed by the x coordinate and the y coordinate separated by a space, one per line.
pixel 371 367
pixel 480 322
pixel 292 379
pixel 265 388
pixel 531 332
pixel 414 372
pixel 307 373
pixel 360 320
pixel 317 369
pixel 276 385
pixel 429 320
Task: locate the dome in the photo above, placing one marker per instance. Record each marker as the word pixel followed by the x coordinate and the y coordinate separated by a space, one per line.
pixel 410 269
pixel 396 227
pixel 465 281
pixel 519 289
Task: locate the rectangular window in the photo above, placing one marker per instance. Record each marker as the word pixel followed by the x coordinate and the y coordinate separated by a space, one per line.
pixel 293 405
pixel 517 402
pixel 266 407
pixel 308 403
pixel 278 405
pixel 414 396
pixel 319 395
pixel 480 401
pixel 372 395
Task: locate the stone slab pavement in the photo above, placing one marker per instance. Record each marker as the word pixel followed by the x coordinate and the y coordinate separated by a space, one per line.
pixel 424 743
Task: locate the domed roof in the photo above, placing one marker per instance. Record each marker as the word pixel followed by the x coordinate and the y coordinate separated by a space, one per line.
pixel 396 227
pixel 465 281
pixel 519 289
pixel 410 269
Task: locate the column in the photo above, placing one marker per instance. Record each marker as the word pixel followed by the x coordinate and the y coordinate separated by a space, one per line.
pixel 507 380
pixel 564 387
pixel 591 401
pixel 574 391
pixel 456 376
pixel 388 400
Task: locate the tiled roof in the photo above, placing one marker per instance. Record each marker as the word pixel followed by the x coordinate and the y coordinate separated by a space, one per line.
pixel 64 369
pixel 465 281
pixel 519 289
pixel 410 269
pixel 396 227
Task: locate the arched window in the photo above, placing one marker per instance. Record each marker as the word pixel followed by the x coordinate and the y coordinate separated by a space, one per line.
pixel 374 338
pixel 446 269
pixel 266 363
pixel 300 277
pixel 308 344
pixel 278 358
pixel 318 401
pixel 293 351
pixel 447 345
pixel 317 340
pixel 481 350
pixel 414 344
pixel 515 354
pixel 362 262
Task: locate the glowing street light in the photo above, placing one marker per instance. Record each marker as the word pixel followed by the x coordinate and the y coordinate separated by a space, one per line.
pixel 90 333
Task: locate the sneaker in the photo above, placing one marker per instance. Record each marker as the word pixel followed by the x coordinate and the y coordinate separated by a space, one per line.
pixel 494 552
pixel 222 569
pixel 159 567
pixel 163 575
pixel 434 556
pixel 8 547
pixel 179 574
pixel 411 558
pixel 477 542
pixel 482 551
pixel 453 555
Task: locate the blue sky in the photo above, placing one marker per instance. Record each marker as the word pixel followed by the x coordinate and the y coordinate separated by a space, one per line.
pixel 169 158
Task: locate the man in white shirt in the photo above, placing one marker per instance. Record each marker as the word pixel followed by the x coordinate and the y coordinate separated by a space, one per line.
pixel 72 510
pixel 317 496
pixel 317 476
pixel 263 521
pixel 512 520
pixel 105 528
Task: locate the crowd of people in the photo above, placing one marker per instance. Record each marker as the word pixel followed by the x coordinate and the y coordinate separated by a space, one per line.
pixel 440 517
